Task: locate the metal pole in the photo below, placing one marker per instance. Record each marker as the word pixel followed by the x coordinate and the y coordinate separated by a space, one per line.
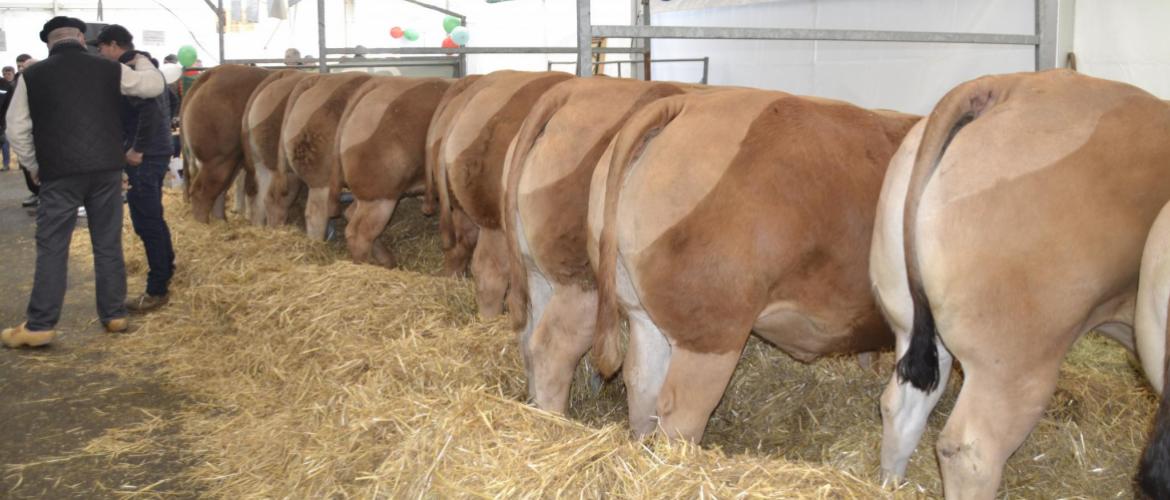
pixel 584 40
pixel 706 64
pixel 646 41
pixel 222 21
pixel 321 67
pixel 1046 27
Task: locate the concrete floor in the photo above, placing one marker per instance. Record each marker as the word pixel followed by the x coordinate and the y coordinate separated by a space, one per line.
pixel 52 405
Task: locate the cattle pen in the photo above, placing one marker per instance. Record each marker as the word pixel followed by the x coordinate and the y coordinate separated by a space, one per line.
pixel 732 234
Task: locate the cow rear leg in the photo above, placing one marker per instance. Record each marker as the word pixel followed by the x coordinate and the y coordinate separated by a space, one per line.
pixel 694 384
pixel 457 254
pixel 260 201
pixel 562 336
pixel 489 267
pixel 317 213
pixel 905 410
pixel 367 219
pixel 1004 394
pixel 217 208
pixel 644 371
pixel 283 195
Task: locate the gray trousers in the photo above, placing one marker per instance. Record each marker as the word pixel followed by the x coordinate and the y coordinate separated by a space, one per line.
pixel 101 195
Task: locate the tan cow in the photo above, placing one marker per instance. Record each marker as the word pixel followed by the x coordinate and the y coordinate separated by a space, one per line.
pixel 1153 334
pixel 211 116
pixel 263 117
pixel 727 213
pixel 554 300
pixel 308 137
pixel 1014 220
pixel 470 176
pixel 381 139
pixel 453 101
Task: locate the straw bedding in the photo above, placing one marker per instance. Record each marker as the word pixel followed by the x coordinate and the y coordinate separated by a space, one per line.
pixel 315 377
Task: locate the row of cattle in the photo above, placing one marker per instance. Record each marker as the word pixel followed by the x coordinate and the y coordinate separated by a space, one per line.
pixel 994 232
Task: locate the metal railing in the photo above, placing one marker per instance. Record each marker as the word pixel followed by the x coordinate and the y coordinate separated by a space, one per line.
pixel 705 60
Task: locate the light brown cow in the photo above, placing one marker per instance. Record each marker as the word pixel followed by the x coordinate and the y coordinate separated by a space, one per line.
pixel 263 117
pixel 211 116
pixel 727 213
pixel 1014 220
pixel 554 300
pixel 381 139
pixel 453 101
pixel 470 176
pixel 308 137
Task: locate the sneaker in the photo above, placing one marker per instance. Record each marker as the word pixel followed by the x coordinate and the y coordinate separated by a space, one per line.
pixel 81 212
pixel 117 325
pixel 31 201
pixel 20 336
pixel 146 303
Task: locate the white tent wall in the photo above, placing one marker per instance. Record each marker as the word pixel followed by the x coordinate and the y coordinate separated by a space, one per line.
pixel 907 77
pixel 1125 41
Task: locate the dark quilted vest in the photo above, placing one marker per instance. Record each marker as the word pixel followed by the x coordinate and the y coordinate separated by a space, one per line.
pixel 74 99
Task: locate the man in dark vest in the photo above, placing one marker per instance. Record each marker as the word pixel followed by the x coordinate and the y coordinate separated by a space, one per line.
pixel 64 126
pixel 146 138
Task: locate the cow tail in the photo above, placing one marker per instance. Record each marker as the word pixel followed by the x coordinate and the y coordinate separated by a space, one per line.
pixel 628 144
pixel 530 130
pixel 435 132
pixel 184 141
pixel 1153 478
pixel 958 108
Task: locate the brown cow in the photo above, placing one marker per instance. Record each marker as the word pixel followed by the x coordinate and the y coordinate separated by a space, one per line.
pixel 308 137
pixel 381 139
pixel 1014 221
pixel 546 196
pixel 211 116
pixel 261 134
pixel 470 175
pixel 453 101
pixel 727 213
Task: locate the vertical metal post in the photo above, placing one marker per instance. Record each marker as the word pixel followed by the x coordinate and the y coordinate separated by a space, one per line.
pixel 1046 28
pixel 584 39
pixel 321 67
pixel 222 21
pixel 706 64
pixel 646 41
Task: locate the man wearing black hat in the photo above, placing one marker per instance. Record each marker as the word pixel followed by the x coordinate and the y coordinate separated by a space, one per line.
pixel 146 138
pixel 76 156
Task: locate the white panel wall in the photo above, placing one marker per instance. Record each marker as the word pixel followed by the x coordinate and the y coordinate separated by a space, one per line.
pixel 901 76
pixel 1125 40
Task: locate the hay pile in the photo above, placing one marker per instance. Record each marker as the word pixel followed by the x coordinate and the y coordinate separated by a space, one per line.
pixel 316 377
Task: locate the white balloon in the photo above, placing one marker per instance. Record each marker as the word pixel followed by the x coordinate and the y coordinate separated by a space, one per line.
pixel 171 72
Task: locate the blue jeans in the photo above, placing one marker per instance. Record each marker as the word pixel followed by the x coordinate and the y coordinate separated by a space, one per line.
pixel 4 150
pixel 146 213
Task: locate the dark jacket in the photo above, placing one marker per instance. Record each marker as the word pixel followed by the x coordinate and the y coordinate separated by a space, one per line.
pixel 5 97
pixel 74 100
pixel 146 123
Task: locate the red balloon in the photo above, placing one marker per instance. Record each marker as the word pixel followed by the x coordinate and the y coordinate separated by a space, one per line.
pixel 448 43
pixel 396 32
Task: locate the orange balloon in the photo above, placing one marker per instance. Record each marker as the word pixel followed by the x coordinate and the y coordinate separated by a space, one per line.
pixel 448 43
pixel 396 32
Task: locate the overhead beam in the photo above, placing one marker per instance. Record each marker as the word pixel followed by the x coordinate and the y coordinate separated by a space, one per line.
pixel 810 34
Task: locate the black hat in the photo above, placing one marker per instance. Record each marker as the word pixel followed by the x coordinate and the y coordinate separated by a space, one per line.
pixel 114 33
pixel 61 22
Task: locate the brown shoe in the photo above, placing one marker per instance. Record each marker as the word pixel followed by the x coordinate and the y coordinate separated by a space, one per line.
pixel 20 336
pixel 117 325
pixel 146 303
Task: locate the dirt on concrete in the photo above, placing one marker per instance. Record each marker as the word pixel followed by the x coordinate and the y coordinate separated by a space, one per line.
pixel 66 430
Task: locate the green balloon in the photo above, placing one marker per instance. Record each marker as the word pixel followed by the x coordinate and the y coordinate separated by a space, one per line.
pixel 450 22
pixel 187 56
pixel 411 35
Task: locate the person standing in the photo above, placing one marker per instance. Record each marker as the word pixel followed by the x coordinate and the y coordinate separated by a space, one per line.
pixel 7 84
pixel 146 138
pixel 75 156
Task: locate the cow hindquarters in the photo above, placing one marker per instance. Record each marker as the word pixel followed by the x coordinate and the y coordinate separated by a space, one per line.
pixel 367 219
pixel 1153 298
pixel 489 267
